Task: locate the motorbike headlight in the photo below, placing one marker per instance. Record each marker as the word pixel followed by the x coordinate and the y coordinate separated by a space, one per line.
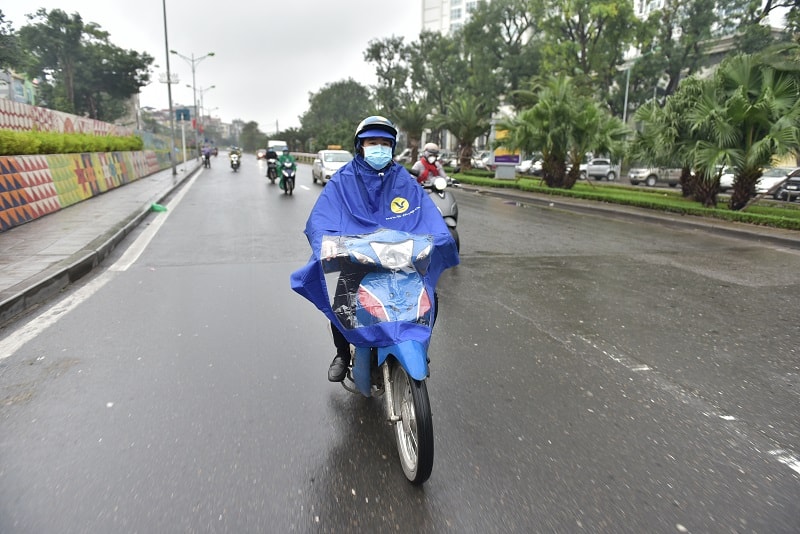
pixel 394 255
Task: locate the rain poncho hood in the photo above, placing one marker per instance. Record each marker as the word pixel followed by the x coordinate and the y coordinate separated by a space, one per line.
pixel 360 200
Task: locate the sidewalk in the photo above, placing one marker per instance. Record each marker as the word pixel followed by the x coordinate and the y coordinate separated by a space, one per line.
pixel 42 257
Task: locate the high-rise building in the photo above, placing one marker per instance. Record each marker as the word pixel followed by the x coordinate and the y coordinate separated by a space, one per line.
pixel 445 16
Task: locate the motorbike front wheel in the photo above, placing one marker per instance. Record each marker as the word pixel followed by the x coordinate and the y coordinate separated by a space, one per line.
pixel 289 185
pixel 414 431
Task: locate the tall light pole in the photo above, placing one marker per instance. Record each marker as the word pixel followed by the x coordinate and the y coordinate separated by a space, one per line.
pixel 169 95
pixel 193 61
pixel 202 91
pixel 628 81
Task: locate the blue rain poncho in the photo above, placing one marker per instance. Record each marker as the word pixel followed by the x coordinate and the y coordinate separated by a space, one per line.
pixel 359 200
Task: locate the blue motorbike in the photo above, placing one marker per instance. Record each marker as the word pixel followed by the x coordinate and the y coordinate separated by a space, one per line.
pixel 391 296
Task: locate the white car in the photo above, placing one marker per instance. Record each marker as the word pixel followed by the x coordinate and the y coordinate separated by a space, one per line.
pixel 771 178
pixel 328 162
pixel 726 180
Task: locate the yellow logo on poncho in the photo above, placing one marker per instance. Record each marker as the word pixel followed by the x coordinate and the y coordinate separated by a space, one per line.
pixel 399 205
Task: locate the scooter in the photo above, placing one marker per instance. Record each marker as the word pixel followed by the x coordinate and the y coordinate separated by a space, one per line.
pixel 272 169
pixel 392 291
pixel 446 202
pixel 288 170
pixel 235 163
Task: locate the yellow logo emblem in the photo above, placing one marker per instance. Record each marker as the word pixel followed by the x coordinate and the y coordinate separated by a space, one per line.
pixel 399 205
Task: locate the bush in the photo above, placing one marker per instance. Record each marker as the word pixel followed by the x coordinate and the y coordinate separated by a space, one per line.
pixel 32 143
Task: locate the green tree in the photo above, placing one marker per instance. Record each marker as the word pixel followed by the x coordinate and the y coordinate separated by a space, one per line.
pixel 391 58
pixel 412 118
pixel 672 39
pixel 666 139
pixel 747 114
pixel 438 70
pixel 586 39
pixel 467 118
pixel 334 112
pixel 10 51
pixel 498 42
pixel 80 71
pixel 563 125
pixel 250 137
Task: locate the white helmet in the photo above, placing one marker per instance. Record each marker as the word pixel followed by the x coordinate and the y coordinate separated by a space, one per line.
pixel 431 149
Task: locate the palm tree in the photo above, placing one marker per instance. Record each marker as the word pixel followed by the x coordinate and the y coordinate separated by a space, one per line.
pixel 412 117
pixel 666 139
pixel 747 114
pixel 563 125
pixel 467 117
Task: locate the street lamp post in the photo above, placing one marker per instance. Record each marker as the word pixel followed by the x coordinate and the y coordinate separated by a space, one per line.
pixel 169 94
pixel 202 92
pixel 628 82
pixel 193 61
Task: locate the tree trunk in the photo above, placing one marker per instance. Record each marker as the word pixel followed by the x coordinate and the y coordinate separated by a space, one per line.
pixel 705 191
pixel 553 171
pixel 744 188
pixel 688 182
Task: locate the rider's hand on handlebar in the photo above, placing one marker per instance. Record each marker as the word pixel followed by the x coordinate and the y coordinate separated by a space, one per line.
pixel 327 250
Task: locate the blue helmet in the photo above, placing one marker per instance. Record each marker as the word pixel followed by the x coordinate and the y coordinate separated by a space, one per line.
pixel 375 126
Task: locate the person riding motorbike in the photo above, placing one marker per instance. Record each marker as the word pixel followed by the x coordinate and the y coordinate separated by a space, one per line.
pixel 428 166
pixel 271 154
pixel 284 158
pixel 369 193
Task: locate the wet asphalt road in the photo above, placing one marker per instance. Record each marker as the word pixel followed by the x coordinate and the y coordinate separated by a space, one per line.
pixel 588 374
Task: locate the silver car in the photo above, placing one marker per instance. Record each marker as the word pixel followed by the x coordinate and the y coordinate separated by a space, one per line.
pixel 328 162
pixel 651 176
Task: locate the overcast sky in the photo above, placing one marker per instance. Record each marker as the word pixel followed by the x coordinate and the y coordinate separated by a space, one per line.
pixel 269 55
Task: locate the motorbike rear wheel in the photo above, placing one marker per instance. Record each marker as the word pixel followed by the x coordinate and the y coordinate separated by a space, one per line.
pixel 414 431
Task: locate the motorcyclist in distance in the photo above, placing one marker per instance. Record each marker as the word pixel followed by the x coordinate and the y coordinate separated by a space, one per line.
pixel 271 154
pixel 285 157
pixel 428 166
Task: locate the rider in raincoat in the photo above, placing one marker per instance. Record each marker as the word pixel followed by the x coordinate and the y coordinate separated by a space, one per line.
pixel 369 193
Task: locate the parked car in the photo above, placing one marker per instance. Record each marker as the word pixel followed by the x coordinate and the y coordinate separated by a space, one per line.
pixel 651 176
pixel 530 166
pixel 524 166
pixel 328 162
pixel 403 157
pixel 261 153
pixel 599 168
pixel 790 189
pixel 771 178
pixel 726 180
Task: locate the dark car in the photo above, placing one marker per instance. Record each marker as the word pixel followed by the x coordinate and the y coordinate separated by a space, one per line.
pixel 790 189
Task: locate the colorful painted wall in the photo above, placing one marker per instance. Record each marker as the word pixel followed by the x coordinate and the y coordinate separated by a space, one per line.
pixel 33 186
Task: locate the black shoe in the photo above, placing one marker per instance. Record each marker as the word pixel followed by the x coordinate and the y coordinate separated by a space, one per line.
pixel 338 369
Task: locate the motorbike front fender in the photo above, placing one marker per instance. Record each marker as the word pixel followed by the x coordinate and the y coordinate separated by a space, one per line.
pixel 450 222
pixel 412 355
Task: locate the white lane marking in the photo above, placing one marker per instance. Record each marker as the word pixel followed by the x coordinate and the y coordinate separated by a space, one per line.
pixel 788 458
pixel 41 322
pixel 38 324
pixel 135 250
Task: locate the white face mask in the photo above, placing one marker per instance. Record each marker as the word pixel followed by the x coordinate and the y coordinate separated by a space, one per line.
pixel 431 159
